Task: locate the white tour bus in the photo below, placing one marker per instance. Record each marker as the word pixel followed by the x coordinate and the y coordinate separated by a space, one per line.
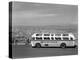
pixel 53 40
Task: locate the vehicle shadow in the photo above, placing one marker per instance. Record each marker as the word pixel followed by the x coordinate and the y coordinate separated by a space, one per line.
pixel 57 47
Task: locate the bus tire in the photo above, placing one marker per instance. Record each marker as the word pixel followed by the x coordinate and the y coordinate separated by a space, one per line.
pixel 63 45
pixel 38 45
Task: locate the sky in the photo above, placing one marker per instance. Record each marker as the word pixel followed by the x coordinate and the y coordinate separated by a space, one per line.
pixel 40 14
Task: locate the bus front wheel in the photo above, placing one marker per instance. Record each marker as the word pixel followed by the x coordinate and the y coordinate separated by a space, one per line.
pixel 38 45
pixel 63 45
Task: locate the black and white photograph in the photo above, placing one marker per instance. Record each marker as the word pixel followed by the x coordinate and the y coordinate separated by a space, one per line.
pixel 42 29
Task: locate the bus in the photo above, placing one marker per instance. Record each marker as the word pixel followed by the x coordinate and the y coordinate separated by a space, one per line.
pixel 62 40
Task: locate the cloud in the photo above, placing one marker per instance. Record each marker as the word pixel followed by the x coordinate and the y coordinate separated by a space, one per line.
pixel 32 15
pixel 38 15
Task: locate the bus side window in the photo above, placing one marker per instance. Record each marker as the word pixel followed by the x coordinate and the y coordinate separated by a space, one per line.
pixel 65 38
pixel 57 38
pixel 65 34
pixel 57 34
pixel 52 38
pixel 38 38
pixel 71 38
pixel 38 34
pixel 46 38
pixel 46 34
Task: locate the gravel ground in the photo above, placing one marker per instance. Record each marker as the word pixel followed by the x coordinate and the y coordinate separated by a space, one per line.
pixel 22 51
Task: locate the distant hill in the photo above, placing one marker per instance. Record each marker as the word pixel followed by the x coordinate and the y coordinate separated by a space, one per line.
pixel 66 28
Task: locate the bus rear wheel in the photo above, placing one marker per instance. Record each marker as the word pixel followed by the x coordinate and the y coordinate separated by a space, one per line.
pixel 63 45
pixel 38 45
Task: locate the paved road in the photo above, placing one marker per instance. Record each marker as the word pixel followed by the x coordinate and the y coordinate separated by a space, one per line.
pixel 26 51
